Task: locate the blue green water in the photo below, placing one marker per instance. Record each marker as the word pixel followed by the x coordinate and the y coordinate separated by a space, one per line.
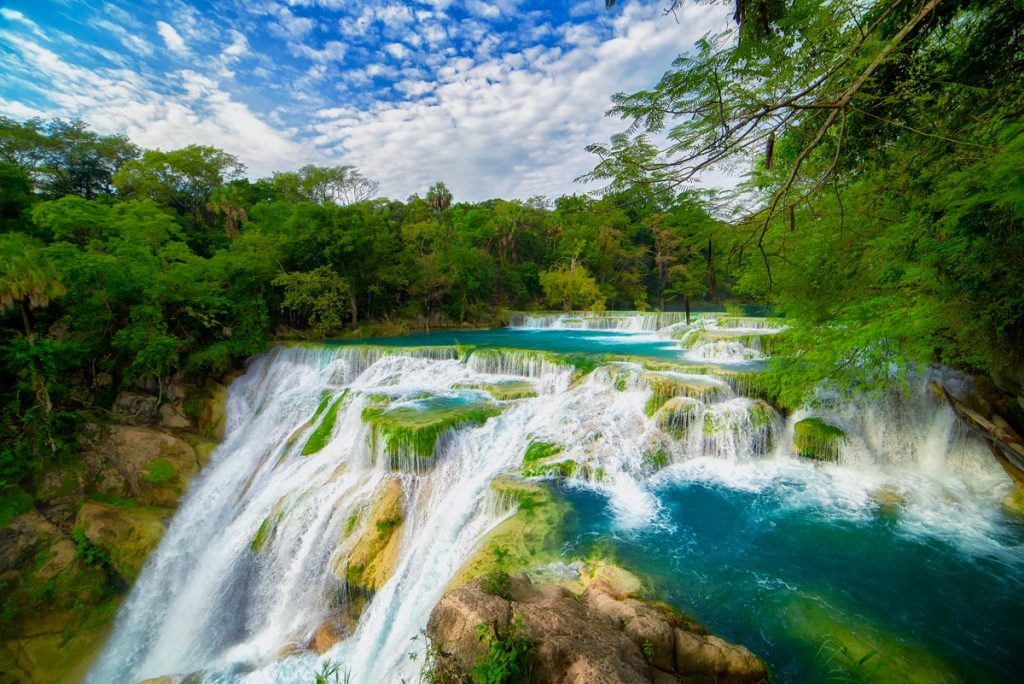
pixel 541 339
pixel 778 579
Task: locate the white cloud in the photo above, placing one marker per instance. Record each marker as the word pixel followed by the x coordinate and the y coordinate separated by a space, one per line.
pixel 19 18
pixel 512 127
pixel 239 45
pixel 117 100
pixel 172 39
pixel 396 50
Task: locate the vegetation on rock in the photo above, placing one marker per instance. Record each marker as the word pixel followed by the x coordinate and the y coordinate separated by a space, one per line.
pixel 814 438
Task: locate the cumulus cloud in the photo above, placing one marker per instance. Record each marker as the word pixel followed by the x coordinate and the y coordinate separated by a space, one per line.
pixel 512 126
pixel 172 39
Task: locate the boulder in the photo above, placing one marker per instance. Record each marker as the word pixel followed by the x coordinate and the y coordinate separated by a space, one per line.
pixel 603 636
pixel 127 535
pixel 148 464
pixel 136 408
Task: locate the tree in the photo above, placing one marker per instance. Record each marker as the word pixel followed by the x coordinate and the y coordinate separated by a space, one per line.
pixel 183 179
pixel 439 197
pixel 873 134
pixel 570 286
pixel 320 295
pixel 340 185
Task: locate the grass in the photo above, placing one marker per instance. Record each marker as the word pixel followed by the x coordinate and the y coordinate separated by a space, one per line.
pixel 536 461
pixel 506 390
pixel 260 539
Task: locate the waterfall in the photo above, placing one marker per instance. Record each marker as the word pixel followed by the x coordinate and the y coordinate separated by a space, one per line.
pixel 623 321
pixel 254 560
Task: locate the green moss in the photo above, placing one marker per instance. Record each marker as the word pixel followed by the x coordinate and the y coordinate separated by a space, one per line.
pixel 814 438
pixel 322 435
pixel 537 461
pixel 119 501
pixel 350 524
pixel 386 526
pixel 411 430
pixel 505 390
pixel 656 459
pixel 159 472
pixel 13 502
pixel 260 539
pixel 325 400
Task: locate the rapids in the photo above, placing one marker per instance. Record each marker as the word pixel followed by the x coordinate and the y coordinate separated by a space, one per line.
pixel 763 547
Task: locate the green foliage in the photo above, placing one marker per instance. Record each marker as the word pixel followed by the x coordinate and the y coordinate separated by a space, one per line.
pixel 13 502
pixel 331 672
pixel 87 551
pixel 320 295
pixel 882 209
pixel 496 583
pixel 507 655
pixel 159 472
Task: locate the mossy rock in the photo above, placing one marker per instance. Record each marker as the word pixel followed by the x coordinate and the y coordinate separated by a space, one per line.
pixel 375 553
pixel 666 385
pixel 677 416
pixel 539 461
pixel 531 537
pixel 127 535
pixel 322 434
pixel 408 433
pixel 504 390
pixel 815 439
pixel 159 472
pixel 1013 503
pixel 657 459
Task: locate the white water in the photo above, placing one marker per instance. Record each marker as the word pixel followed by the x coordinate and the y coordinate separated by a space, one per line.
pixel 622 321
pixel 207 602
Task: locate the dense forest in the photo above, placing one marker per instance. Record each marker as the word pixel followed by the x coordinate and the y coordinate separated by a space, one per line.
pixel 125 266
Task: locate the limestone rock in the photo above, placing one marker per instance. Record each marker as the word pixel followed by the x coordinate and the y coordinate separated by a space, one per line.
pixel 136 408
pixel 126 534
pixel 145 463
pixel 605 636
pixel 375 553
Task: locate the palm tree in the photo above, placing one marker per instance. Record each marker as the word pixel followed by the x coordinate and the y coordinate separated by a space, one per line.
pixel 229 201
pixel 439 197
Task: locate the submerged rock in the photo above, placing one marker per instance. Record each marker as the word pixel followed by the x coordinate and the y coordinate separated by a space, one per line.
pixel 602 635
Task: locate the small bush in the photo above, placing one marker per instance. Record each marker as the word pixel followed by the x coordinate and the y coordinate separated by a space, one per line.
pixel 507 653
pixel 496 583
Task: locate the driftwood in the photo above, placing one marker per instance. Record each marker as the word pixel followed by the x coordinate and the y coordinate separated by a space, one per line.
pixel 1006 445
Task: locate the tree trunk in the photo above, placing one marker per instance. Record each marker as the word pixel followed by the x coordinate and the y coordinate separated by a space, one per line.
pixel 686 303
pixel 352 302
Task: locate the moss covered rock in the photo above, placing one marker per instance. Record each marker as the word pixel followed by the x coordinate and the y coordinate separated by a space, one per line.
pixel 814 438
pixel 407 433
pixel 541 460
pixel 667 385
pixel 529 538
pixel 127 535
pixel 375 553
pixel 678 415
pixel 325 429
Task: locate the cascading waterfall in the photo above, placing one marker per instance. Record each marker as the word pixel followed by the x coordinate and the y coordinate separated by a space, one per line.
pixel 254 560
pixel 623 321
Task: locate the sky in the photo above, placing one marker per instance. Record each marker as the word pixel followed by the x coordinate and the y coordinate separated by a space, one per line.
pixel 497 98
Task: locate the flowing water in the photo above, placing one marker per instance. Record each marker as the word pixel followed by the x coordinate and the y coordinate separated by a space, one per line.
pixel 901 545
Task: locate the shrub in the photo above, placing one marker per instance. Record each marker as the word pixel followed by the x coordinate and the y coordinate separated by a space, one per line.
pixel 507 653
pixel 496 583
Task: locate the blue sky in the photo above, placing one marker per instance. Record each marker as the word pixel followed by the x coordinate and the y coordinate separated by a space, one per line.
pixel 496 97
